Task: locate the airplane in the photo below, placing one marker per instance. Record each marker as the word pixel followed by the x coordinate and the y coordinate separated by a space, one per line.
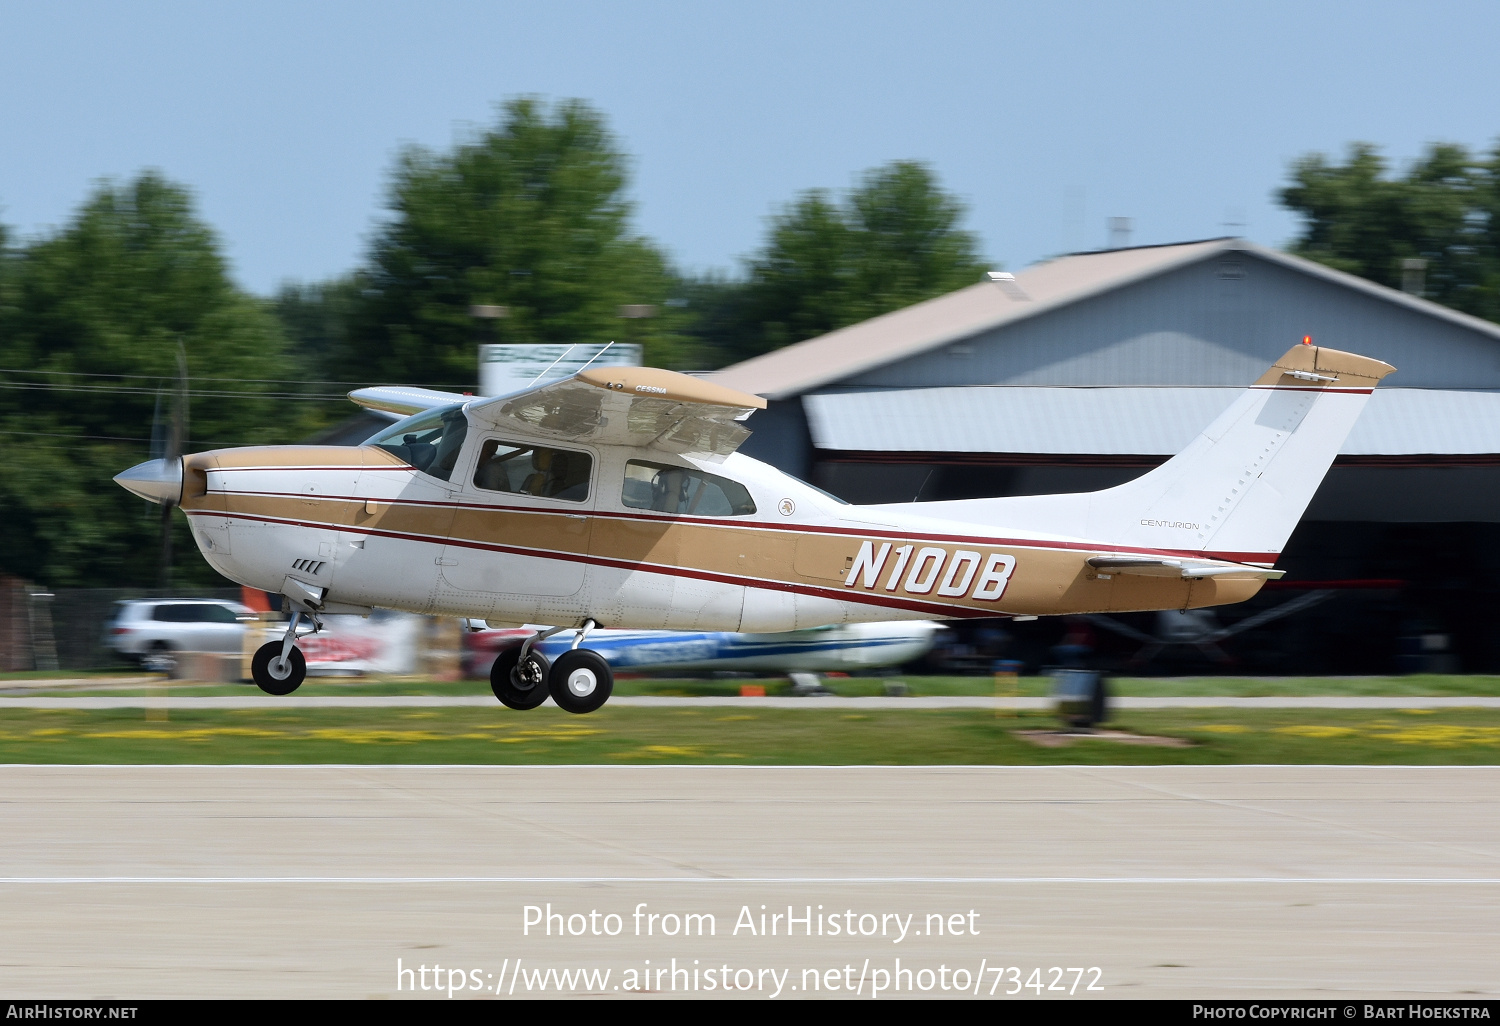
pixel 616 497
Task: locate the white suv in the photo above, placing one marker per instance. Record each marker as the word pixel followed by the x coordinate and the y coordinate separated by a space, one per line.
pixel 149 631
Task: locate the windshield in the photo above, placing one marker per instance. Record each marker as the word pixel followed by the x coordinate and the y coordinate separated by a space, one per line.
pixel 429 441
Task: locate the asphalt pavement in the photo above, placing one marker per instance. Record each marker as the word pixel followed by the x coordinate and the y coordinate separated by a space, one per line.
pixel 1339 883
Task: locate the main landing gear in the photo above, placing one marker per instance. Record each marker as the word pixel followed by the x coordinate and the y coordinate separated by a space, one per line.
pixel 580 681
pixel 278 667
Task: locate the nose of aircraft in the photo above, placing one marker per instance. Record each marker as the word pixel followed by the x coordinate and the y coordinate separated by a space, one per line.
pixel 157 480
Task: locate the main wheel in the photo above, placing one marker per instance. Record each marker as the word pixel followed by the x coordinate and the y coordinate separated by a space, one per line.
pixel 272 675
pixel 581 681
pixel 519 685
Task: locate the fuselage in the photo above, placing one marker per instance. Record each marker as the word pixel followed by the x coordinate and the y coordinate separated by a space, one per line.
pixel 364 527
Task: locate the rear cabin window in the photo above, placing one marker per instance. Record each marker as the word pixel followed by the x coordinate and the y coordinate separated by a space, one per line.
pixel 523 469
pixel 668 489
pixel 429 441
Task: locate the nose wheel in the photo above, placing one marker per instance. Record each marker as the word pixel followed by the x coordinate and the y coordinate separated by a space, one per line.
pixel 580 680
pixel 276 674
pixel 278 667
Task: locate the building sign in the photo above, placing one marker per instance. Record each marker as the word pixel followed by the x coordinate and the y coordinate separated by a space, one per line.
pixel 504 369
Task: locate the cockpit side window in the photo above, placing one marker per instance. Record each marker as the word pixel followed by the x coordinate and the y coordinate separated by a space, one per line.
pixel 429 441
pixel 525 469
pixel 668 489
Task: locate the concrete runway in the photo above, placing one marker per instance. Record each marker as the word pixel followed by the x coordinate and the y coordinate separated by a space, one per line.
pixel 313 881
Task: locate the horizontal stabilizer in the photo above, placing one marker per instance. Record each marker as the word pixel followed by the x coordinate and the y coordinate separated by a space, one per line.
pixel 1138 566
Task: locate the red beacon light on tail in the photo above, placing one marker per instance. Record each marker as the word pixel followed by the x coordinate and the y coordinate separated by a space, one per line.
pixel 1307 340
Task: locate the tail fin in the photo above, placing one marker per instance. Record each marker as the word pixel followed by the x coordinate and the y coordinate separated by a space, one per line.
pixel 1237 491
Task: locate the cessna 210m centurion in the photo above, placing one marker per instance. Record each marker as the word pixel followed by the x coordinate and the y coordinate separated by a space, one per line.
pixel 616 498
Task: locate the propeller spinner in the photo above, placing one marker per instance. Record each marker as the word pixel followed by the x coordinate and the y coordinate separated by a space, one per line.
pixel 156 480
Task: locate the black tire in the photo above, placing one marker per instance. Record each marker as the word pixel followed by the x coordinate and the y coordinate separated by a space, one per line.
pixel 518 687
pixel 581 681
pixel 291 677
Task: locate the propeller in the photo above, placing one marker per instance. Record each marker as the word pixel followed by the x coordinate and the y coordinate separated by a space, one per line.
pixel 176 436
pixel 159 479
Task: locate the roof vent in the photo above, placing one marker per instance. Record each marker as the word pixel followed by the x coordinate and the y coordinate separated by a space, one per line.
pixel 1008 284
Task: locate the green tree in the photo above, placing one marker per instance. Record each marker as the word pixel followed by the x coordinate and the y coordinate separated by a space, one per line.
pixel 713 306
pixel 315 318
pixel 530 215
pixel 894 241
pixel 89 338
pixel 1360 217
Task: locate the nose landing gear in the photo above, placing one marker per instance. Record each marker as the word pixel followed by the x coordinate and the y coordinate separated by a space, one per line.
pixel 278 667
pixel 579 681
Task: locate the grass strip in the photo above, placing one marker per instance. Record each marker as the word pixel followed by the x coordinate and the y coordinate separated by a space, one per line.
pixel 622 736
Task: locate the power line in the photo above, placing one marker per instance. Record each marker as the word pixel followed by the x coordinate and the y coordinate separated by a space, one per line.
pixel 119 438
pixel 33 386
pixel 257 381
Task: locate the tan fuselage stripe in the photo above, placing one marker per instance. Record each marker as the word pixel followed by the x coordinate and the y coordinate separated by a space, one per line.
pixel 1046 579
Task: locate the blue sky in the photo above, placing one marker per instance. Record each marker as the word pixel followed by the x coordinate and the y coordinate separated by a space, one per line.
pixel 1046 119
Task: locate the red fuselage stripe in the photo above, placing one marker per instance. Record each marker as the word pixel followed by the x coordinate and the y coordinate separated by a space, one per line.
pixel 895 534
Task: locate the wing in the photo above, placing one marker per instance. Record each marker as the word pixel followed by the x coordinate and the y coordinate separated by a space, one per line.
pixel 403 400
pixel 637 406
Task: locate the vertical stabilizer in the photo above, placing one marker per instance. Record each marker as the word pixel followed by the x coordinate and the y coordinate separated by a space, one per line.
pixel 1237 491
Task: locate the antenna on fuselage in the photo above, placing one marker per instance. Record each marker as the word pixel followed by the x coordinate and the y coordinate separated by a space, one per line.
pixel 554 363
pixel 595 357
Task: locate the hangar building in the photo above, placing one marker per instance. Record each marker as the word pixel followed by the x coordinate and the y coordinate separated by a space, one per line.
pixel 1085 371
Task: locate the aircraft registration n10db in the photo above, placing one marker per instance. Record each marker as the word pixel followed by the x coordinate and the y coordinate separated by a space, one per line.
pixel 616 497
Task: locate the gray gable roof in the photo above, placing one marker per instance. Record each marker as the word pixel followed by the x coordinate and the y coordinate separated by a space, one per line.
pixel 882 341
pixel 1127 420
